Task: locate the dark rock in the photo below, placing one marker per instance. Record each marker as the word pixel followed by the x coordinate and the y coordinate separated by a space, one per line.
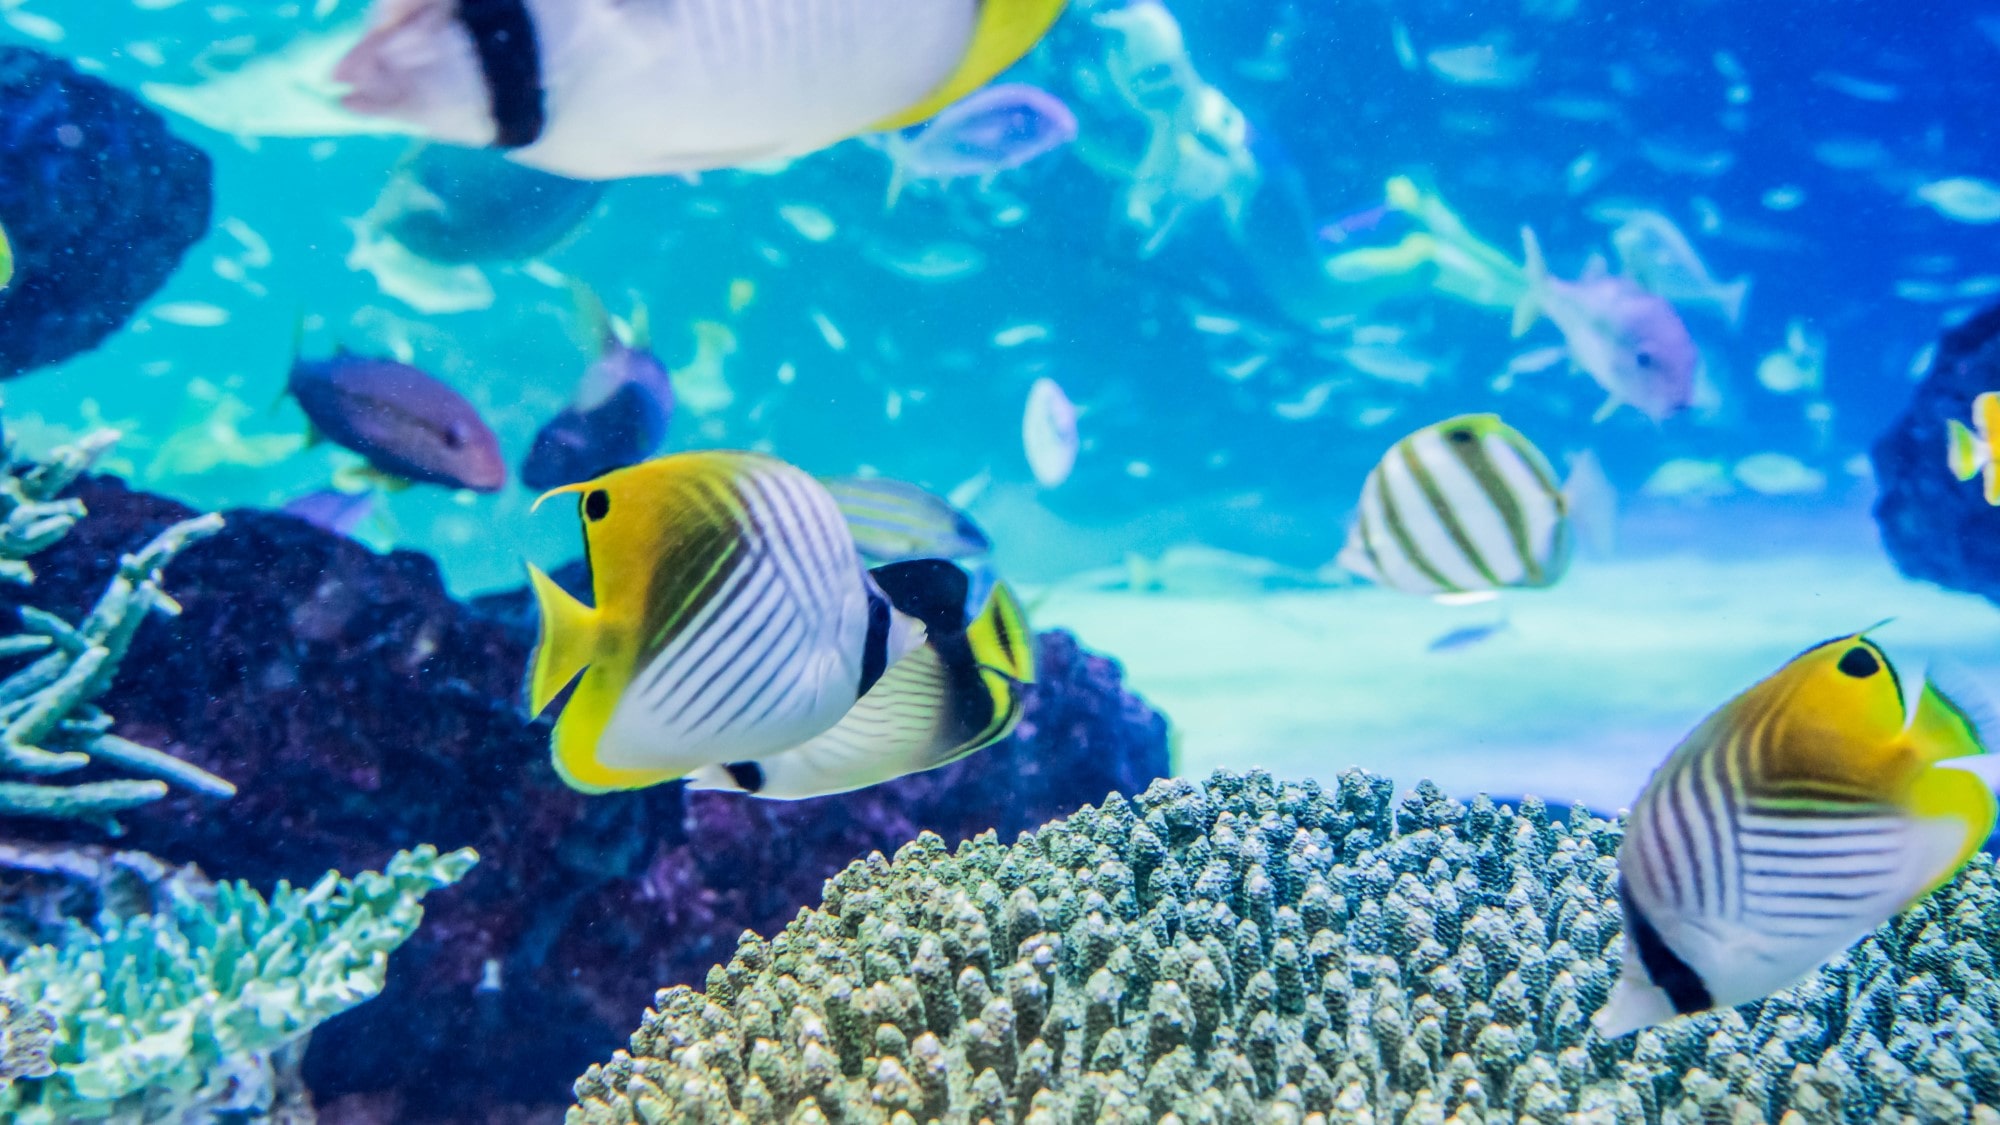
pixel 99 200
pixel 1936 527
pixel 360 709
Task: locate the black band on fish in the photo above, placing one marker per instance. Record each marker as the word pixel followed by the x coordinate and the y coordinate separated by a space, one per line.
pixel 1664 967
pixel 504 35
pixel 748 776
pixel 875 650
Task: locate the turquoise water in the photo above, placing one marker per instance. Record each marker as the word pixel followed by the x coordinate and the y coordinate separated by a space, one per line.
pixel 1231 397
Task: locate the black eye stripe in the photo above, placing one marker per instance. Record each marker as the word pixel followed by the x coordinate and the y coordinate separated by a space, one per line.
pixel 596 504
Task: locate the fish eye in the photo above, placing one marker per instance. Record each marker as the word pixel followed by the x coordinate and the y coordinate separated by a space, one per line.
pixel 596 504
pixel 1859 663
pixel 454 438
pixel 1462 437
pixel 1644 359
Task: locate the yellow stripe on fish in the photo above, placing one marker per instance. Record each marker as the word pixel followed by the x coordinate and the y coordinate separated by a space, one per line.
pixel 1792 822
pixel 1007 30
pixel 958 693
pixel 732 620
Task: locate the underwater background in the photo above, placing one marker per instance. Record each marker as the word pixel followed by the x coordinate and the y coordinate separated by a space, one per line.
pixel 1829 170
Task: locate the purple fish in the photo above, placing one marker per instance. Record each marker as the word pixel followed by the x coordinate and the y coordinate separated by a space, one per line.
pixel 623 405
pixel 407 424
pixel 1629 340
pixel 330 509
pixel 991 131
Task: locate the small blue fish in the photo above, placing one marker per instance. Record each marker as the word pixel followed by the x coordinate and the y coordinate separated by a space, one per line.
pixel 408 424
pixel 624 404
pixel 997 129
pixel 1466 636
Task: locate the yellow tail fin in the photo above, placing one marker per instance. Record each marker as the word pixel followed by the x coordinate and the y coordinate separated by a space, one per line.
pixel 1007 29
pixel 1962 450
pixel 1000 637
pixel 569 629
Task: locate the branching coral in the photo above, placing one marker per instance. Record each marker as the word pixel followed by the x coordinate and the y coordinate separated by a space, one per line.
pixel 1249 951
pixel 194 1013
pixel 48 724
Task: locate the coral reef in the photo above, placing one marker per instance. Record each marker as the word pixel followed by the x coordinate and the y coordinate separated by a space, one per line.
pixel 1246 950
pixel 48 724
pixel 99 200
pixel 192 1014
pixel 362 707
pixel 1936 527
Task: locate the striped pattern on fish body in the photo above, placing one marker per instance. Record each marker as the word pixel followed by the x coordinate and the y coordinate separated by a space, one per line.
pixel 896 522
pixel 732 620
pixel 960 692
pixel 1465 505
pixel 1791 823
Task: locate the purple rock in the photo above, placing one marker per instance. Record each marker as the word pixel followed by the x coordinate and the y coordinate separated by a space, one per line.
pixel 1936 527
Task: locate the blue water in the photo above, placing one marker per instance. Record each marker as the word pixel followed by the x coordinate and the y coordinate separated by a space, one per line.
pixel 1335 113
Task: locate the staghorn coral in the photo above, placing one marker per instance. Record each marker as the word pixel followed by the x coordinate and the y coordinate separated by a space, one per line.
pixel 199 1013
pixel 1247 951
pixel 48 724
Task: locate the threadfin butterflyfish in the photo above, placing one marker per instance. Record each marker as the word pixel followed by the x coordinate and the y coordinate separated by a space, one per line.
pixel 1467 505
pixel 1970 449
pixel 732 620
pixel 1792 822
pixel 607 89
pixel 957 693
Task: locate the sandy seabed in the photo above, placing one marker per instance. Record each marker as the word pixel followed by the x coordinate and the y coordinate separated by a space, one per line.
pixel 1584 693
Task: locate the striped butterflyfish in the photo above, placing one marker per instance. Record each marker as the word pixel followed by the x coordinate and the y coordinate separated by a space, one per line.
pixel 1464 506
pixel 1792 822
pixel 609 89
pixel 731 619
pixel 960 691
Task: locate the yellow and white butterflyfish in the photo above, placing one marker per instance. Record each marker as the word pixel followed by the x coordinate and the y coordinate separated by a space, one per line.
pixel 1970 449
pixel 1792 822
pixel 732 619
pixel 608 89
pixel 961 691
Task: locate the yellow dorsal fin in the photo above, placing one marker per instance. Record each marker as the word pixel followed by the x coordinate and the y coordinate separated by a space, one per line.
pixel 569 630
pixel 1007 29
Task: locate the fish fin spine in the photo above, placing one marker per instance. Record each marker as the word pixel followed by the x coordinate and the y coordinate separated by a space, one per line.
pixel 1003 31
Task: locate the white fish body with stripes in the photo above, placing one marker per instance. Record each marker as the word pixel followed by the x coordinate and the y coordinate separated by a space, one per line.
pixel 1791 823
pixel 607 89
pixel 733 622
pixel 1467 507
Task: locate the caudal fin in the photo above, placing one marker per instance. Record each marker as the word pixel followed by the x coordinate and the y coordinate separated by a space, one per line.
pixel 1530 305
pixel 1730 298
pixel 1963 451
pixel 1591 502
